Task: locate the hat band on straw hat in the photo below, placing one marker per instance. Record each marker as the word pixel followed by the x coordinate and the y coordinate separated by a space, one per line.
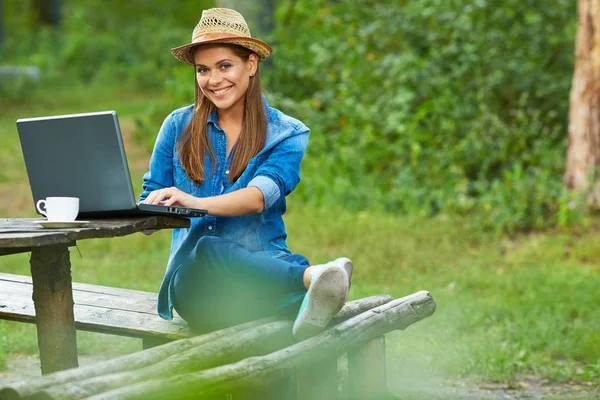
pixel 213 36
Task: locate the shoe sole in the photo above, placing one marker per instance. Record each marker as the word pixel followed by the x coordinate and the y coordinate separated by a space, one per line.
pixel 348 266
pixel 327 295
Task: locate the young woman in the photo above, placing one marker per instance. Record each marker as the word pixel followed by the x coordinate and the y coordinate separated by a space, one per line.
pixel 233 155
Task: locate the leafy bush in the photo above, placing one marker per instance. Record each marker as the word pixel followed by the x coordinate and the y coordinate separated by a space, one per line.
pixel 429 106
pixel 415 107
pixel 109 41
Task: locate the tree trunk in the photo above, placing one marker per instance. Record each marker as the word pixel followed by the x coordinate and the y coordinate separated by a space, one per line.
pixel 583 155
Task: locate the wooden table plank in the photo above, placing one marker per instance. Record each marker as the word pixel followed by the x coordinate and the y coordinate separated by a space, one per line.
pixel 33 239
pixel 25 232
pixel 160 221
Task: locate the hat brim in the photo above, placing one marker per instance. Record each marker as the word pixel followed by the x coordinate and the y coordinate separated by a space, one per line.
pixel 185 54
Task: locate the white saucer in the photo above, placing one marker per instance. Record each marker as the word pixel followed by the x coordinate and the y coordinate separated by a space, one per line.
pixel 62 224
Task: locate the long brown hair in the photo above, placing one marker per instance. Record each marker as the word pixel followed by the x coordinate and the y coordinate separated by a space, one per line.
pixel 194 142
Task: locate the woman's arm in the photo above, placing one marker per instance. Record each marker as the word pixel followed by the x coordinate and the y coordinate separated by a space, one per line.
pixel 279 174
pixel 240 202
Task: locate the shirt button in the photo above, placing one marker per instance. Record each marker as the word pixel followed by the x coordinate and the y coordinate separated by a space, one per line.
pixel 227 172
pixel 210 227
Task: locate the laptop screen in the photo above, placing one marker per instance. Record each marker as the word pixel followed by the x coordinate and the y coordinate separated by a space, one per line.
pixel 78 155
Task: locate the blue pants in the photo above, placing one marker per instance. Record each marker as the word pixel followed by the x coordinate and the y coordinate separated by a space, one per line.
pixel 227 285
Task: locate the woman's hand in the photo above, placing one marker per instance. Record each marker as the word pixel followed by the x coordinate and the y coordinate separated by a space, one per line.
pixel 172 197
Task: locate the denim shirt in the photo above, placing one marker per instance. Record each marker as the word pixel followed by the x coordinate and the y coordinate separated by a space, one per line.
pixel 275 171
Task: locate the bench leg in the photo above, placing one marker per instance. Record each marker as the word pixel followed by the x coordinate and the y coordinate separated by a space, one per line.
pixel 53 300
pixel 367 371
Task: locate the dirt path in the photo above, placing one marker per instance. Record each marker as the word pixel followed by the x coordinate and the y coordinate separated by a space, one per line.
pixel 530 388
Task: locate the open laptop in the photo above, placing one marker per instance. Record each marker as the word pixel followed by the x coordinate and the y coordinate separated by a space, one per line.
pixel 82 155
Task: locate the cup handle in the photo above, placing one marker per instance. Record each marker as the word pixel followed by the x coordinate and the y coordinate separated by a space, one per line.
pixel 39 207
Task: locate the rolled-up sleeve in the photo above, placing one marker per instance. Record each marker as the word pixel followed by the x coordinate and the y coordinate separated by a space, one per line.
pixel 160 173
pixel 279 174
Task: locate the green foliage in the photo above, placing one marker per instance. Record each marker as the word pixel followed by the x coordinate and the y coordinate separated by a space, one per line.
pixel 110 41
pixel 503 306
pixel 415 107
pixel 431 105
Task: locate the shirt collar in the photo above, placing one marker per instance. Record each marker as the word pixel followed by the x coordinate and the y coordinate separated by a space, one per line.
pixel 213 118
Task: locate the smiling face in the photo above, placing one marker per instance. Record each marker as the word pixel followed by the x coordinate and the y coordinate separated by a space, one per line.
pixel 223 76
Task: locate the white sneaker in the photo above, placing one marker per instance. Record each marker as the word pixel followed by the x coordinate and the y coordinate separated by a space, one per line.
pixel 326 295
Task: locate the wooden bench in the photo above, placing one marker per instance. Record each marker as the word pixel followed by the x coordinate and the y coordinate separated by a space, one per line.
pixel 100 309
pixel 256 360
pixel 52 291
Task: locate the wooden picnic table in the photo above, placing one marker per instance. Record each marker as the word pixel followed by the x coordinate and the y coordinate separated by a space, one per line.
pixel 51 274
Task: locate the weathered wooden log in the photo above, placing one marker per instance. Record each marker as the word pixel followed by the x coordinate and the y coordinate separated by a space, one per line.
pixel 26 389
pixel 128 362
pixel 313 382
pixel 353 308
pixel 250 342
pixel 397 314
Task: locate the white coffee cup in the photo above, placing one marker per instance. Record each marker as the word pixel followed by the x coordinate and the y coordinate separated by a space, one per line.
pixel 59 209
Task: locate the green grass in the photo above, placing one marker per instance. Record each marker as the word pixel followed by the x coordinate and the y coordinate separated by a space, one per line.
pixel 506 307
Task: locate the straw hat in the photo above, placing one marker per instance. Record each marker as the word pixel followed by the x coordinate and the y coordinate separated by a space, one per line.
pixel 221 25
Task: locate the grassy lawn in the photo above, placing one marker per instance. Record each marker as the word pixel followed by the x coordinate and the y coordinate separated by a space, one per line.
pixel 507 307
